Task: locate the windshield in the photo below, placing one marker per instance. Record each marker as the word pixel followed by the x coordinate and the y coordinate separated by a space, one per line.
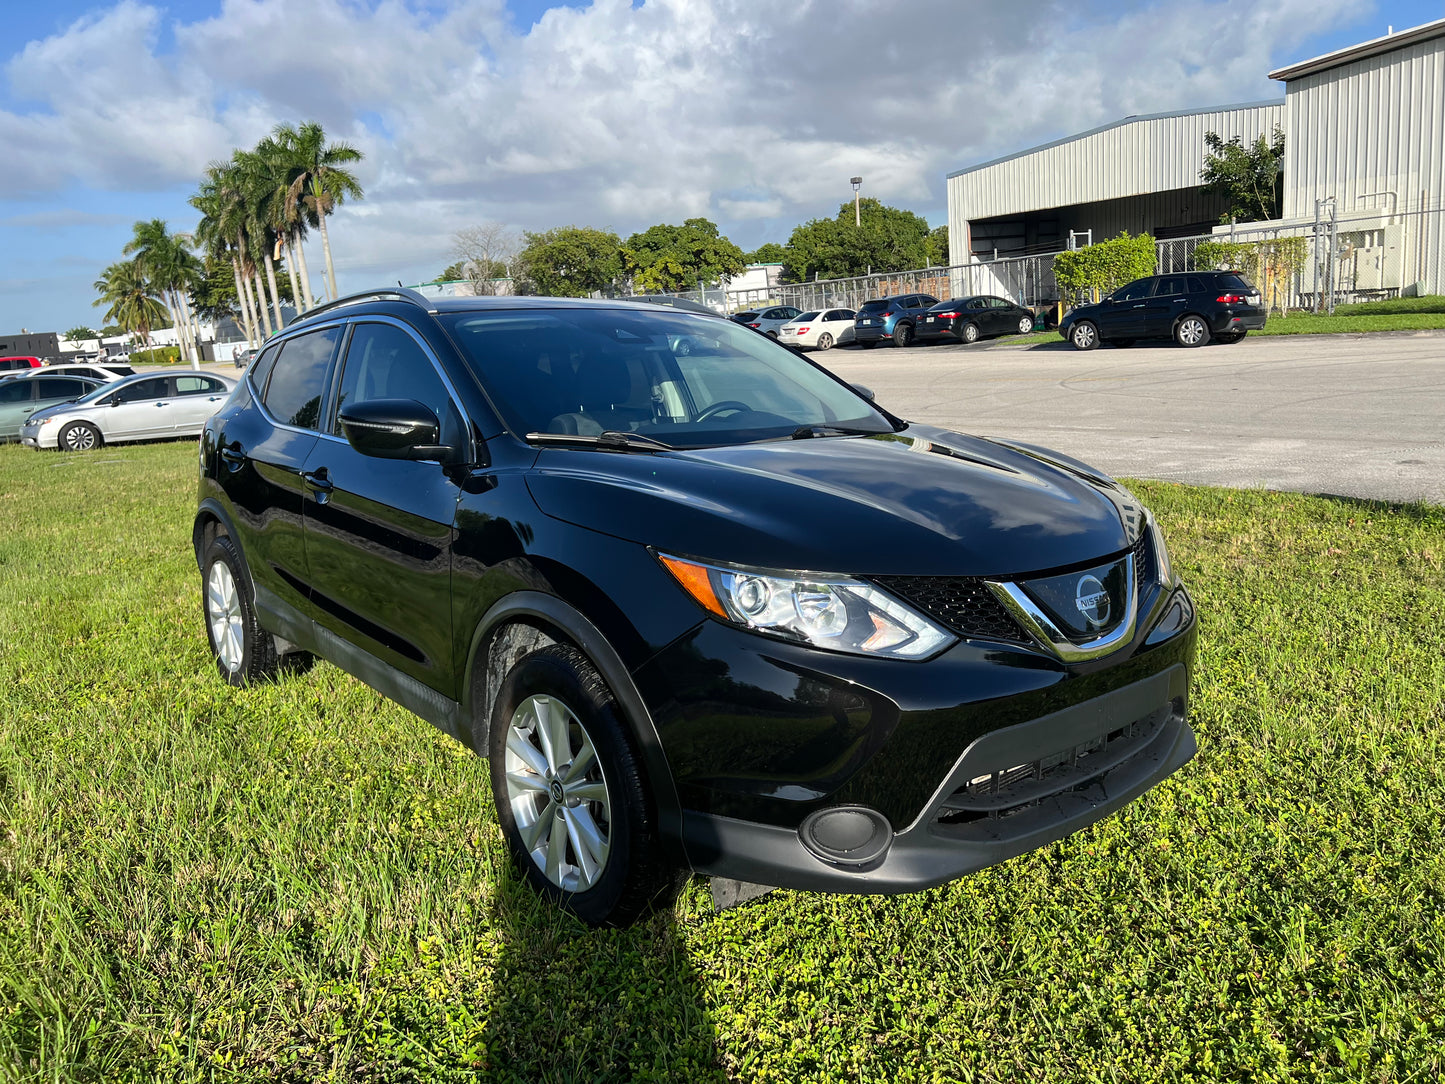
pixel 96 393
pixel 585 371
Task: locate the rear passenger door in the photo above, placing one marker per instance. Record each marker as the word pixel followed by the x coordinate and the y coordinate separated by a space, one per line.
pixel 1171 298
pixel 379 531
pixel 197 398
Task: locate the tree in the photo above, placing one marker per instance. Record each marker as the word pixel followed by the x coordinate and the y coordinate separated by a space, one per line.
pixel 1249 179
pixel 889 239
pixel 772 252
pixel 132 300
pixel 258 193
pixel 80 333
pixel 317 180
pixel 665 259
pixel 452 272
pixel 569 261
pixel 171 269
pixel 938 246
pixel 486 253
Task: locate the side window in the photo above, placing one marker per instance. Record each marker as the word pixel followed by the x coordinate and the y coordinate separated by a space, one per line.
pixel 157 387
pixel 1196 284
pixel 54 386
pixel 976 303
pixel 298 380
pixel 261 367
pixel 15 391
pixel 384 362
pixel 1135 291
pixel 1171 287
pixel 196 385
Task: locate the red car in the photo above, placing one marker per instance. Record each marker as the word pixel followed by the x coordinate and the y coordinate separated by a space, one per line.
pixel 20 363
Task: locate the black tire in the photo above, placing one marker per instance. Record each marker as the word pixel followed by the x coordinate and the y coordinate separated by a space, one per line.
pixel 633 876
pixel 79 437
pixel 1084 335
pixel 825 341
pixel 1026 325
pixel 1192 331
pixel 251 656
pixel 772 335
pixel 902 335
pixel 969 333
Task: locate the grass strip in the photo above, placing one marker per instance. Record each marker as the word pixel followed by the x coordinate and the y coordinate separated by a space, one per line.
pixel 303 882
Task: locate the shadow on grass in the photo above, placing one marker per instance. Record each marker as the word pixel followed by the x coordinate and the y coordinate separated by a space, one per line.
pixel 1420 511
pixel 572 1004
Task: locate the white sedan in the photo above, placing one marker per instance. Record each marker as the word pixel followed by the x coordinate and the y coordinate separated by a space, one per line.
pixel 820 330
pixel 142 407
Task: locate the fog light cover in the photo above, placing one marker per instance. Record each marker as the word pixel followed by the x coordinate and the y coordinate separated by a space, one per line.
pixel 847 835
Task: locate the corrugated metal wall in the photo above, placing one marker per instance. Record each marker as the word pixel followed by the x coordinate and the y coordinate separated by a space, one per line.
pixel 1135 157
pixel 1372 135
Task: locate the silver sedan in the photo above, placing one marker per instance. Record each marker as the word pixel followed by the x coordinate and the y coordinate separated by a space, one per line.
pixel 147 406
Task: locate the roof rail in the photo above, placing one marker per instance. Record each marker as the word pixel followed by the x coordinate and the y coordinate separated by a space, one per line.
pixel 395 293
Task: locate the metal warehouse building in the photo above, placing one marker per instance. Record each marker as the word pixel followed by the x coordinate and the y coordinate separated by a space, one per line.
pixel 1364 149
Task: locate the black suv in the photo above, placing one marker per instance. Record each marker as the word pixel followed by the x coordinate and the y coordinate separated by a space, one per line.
pixel 718 611
pixel 890 318
pixel 1191 308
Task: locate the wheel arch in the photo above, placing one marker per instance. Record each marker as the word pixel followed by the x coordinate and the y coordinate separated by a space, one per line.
pixel 561 622
pixel 212 519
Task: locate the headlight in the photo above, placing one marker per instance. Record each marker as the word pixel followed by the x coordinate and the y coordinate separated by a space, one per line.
pixel 40 419
pixel 833 612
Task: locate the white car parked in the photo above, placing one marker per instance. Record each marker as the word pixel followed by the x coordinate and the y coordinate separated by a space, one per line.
pixel 820 330
pixel 148 406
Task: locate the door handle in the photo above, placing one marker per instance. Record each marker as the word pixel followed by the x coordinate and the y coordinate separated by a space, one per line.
pixel 319 483
pixel 234 455
pixel 1180 300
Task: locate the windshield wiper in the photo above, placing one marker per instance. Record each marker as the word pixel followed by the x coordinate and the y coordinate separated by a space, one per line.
pixel 803 432
pixel 610 438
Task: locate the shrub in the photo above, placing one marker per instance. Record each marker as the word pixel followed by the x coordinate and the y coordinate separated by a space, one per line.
pixel 158 355
pixel 1106 266
pixel 1268 264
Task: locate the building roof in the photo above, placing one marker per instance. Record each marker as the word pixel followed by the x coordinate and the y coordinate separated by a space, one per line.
pixel 1136 119
pixel 1373 47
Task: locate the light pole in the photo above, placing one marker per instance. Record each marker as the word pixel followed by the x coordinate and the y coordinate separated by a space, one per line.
pixel 857 183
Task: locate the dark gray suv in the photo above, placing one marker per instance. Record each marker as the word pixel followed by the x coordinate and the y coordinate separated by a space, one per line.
pixel 890 319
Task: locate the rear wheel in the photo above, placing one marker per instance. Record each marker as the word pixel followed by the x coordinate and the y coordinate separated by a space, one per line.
pixel 569 790
pixel 902 335
pixel 968 333
pixel 79 437
pixel 1084 335
pixel 1026 325
pixel 825 341
pixel 1191 331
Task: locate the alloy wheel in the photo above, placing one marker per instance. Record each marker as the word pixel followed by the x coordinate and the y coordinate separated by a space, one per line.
pixel 1192 331
pixel 558 793
pixel 223 611
pixel 80 438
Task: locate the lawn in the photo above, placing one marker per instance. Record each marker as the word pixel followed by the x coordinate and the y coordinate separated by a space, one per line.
pixel 303 882
pixel 1303 323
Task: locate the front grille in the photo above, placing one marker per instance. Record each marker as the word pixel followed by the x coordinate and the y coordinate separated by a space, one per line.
pixel 977 807
pixel 1143 566
pixel 961 603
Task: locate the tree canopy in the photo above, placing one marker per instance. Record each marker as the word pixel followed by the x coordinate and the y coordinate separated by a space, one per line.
pixel 665 259
pixel 569 261
pixel 80 333
pixel 1249 178
pixel 772 252
pixel 938 247
pixel 889 239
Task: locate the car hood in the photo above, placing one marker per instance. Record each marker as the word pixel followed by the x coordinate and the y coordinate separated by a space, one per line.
pixel 64 407
pixel 924 502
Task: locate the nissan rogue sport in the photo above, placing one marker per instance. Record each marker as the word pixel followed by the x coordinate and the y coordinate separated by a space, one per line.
pixel 718 612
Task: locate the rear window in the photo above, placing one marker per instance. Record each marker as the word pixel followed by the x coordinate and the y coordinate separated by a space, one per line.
pixel 873 306
pixel 808 316
pixel 1236 282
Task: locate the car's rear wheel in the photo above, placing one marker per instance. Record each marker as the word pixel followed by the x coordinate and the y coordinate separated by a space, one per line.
pixel 1026 325
pixel 825 341
pixel 902 335
pixel 79 437
pixel 244 651
pixel 569 790
pixel 1191 331
pixel 772 335
pixel 1084 335
pixel 969 332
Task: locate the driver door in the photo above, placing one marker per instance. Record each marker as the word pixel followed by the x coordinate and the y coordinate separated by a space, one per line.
pixel 138 410
pixel 1123 316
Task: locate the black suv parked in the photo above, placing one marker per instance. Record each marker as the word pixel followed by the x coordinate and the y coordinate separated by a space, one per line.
pixel 717 611
pixel 890 318
pixel 1191 308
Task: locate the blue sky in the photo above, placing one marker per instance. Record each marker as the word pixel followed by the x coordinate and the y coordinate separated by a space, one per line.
pixel 616 113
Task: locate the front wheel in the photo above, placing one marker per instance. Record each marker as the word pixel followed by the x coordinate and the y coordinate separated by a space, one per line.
pixel 1026 325
pixel 569 790
pixel 902 335
pixel 79 437
pixel 1084 335
pixel 1191 331
pixel 825 341
pixel 244 651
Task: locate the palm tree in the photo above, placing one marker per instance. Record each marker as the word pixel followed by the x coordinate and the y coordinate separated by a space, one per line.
pixel 133 305
pixel 259 192
pixel 222 230
pixel 318 183
pixel 271 173
pixel 172 269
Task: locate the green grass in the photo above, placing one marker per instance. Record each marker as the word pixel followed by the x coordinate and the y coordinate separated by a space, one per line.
pixel 1393 306
pixel 303 882
pixel 1297 323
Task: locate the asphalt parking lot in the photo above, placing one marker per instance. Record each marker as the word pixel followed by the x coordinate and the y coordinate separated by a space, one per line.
pixel 1348 415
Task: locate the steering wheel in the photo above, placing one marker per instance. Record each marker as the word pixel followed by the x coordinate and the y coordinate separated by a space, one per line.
pixel 719 407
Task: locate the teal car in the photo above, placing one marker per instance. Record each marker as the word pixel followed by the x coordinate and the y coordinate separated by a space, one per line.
pixel 22 396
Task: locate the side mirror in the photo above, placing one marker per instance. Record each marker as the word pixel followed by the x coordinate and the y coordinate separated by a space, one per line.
pixel 394 429
pixel 867 393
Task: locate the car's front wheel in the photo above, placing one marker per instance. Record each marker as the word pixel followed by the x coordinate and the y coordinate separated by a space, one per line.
pixel 244 651
pixel 79 437
pixel 569 790
pixel 1191 331
pixel 1084 335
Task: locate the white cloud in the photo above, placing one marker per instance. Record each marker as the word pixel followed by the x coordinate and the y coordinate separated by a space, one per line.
pixel 753 114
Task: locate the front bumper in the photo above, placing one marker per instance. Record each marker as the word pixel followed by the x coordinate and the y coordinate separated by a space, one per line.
pixel 34 436
pixel 1136 736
